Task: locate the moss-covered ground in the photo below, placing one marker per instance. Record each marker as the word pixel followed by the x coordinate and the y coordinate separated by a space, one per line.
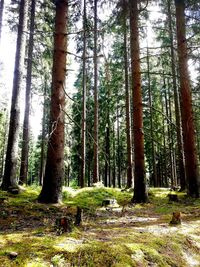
pixel 120 235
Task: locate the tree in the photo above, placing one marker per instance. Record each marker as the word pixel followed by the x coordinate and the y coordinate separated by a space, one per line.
pixel 26 125
pixel 128 122
pixel 52 184
pixel 181 162
pixel 83 126
pixel 96 146
pixel 9 178
pixel 140 193
pixel 189 138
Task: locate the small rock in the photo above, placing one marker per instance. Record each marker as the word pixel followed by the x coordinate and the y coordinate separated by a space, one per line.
pixel 13 255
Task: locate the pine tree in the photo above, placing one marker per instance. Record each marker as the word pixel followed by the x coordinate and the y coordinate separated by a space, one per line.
pixel 54 172
pixel 140 193
pixel 189 138
pixel 9 179
pixel 26 124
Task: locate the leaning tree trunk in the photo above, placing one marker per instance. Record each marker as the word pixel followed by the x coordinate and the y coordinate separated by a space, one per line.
pixel 189 138
pixel 9 179
pixel 26 125
pixel 140 193
pixel 96 146
pixel 52 184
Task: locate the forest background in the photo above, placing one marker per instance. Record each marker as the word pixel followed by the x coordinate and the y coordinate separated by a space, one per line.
pixel 101 109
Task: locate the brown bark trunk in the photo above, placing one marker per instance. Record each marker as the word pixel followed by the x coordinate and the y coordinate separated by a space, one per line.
pixel 83 126
pixel 181 163
pixel 26 124
pixel 140 193
pixel 52 185
pixel 96 119
pixel 128 112
pixel 9 178
pixel 189 138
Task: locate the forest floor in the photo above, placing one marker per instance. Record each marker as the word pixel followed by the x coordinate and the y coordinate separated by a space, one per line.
pixel 119 235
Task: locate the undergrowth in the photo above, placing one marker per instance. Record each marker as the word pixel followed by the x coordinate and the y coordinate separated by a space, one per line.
pixel 118 238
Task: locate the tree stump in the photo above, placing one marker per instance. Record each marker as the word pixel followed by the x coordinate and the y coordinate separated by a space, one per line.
pixel 176 218
pixel 78 217
pixel 173 197
pixel 64 224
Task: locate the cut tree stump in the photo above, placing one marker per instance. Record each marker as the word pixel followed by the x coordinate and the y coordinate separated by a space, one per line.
pixel 176 218
pixel 173 197
pixel 64 224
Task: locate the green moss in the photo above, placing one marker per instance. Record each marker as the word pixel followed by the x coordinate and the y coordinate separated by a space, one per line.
pixel 91 198
pixel 125 245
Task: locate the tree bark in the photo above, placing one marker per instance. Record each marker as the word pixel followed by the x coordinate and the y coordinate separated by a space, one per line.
pixel 118 151
pixel 83 127
pixel 128 112
pixel 43 141
pixel 96 119
pixel 155 175
pixel 26 124
pixel 140 193
pixel 9 178
pixel 181 162
pixel 189 136
pixel 52 185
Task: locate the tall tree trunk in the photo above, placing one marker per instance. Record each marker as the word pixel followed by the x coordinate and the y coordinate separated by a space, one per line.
pixel 164 165
pixel 128 112
pixel 107 150
pixel 83 126
pixel 155 176
pixel 189 138
pixel 52 185
pixel 118 151
pixel 96 119
pixel 171 138
pixel 26 124
pixel 114 159
pixel 140 193
pixel 181 162
pixel 1 16
pixel 43 141
pixel 4 137
pixel 9 178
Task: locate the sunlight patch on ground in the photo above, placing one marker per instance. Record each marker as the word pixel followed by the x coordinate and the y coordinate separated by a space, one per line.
pixel 69 244
pixel 190 259
pixel 129 220
pixel 165 228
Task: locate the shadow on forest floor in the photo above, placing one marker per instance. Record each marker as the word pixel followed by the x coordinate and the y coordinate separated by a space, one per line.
pixel 126 235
